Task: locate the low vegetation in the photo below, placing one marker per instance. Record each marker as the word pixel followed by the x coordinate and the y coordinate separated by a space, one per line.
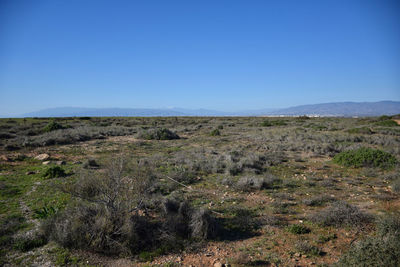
pixel 180 191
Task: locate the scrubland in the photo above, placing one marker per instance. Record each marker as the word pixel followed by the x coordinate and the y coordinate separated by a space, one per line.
pixel 200 191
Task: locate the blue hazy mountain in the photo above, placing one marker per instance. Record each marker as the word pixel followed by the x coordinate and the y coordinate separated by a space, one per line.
pixel 345 109
pixel 102 112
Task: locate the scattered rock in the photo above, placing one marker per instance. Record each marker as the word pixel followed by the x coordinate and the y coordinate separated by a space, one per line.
pixel 42 156
pixel 30 173
pixel 60 162
pixel 218 264
pixel 46 162
pixel 297 254
pixel 5 158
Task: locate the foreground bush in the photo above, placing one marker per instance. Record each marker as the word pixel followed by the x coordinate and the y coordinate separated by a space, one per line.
pixel 365 157
pixel 111 215
pixel 383 249
pixel 341 213
pixel 158 134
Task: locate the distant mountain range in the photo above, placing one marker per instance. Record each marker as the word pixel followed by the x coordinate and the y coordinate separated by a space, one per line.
pixel 345 109
pixel 340 109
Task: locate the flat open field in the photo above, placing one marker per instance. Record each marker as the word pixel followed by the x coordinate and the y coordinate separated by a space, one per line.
pixel 199 191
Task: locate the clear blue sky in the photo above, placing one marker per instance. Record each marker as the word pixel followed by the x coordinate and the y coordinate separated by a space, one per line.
pixel 224 55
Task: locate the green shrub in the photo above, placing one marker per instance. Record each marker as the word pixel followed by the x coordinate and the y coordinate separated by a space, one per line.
pixel 360 130
pixel 52 126
pixel 298 229
pixel 384 118
pixel 365 157
pixel 387 123
pixel 326 238
pixel 158 134
pixel 54 172
pixel 215 132
pixel 268 123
